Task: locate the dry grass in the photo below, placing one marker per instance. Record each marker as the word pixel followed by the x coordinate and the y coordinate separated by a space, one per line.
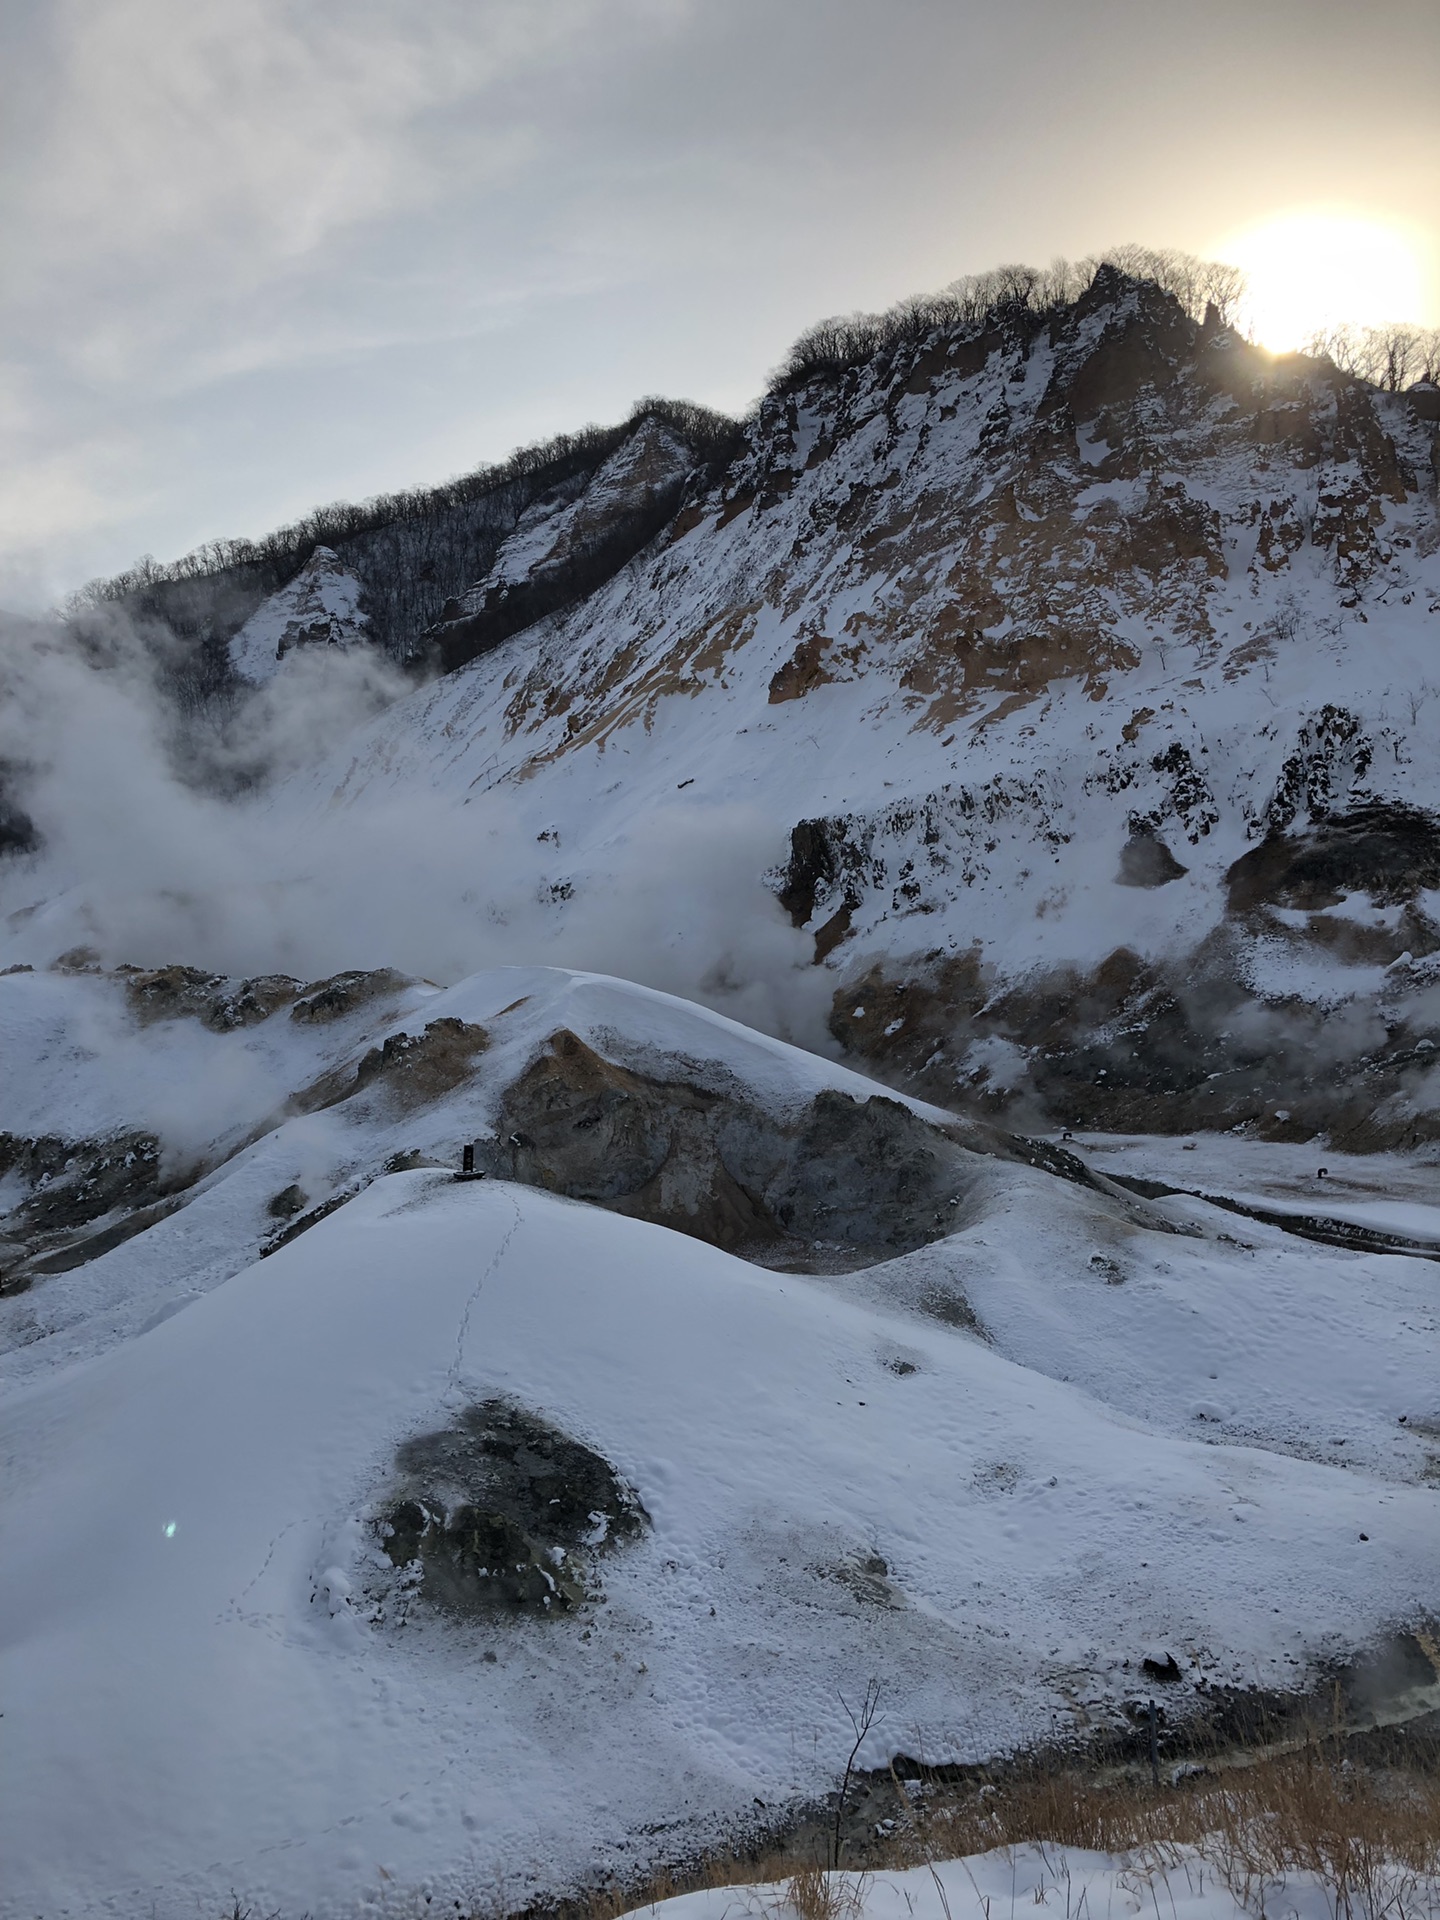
pixel 1371 1837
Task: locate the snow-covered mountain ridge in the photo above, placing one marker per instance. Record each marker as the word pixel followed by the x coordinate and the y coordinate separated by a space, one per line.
pixel 1082 667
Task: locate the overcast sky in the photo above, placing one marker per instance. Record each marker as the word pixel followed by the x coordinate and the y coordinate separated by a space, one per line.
pixel 263 253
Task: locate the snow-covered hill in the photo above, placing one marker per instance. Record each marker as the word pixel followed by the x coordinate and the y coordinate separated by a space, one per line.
pixel 289 1608
pixel 1047 698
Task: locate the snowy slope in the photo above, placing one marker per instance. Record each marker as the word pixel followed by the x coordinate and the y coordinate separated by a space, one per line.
pixel 995 1471
pixel 1067 680
pixel 199 1695
pixel 1037 717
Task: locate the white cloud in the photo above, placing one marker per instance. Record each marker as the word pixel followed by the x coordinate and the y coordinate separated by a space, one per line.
pixel 196 151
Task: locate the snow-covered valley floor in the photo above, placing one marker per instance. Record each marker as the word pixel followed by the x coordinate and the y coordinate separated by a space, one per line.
pixel 1155 1430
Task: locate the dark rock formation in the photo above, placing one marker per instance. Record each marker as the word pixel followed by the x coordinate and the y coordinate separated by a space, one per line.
pixel 841 1182
pixel 175 993
pixel 83 1198
pixel 503 1513
pixel 412 1068
pixel 1146 861
pixel 1387 852
pixel 342 993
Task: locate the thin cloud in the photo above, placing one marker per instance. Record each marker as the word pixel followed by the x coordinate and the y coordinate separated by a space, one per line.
pixel 282 251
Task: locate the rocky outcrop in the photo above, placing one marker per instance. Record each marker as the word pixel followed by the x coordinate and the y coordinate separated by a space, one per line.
pixel 344 993
pixel 1386 852
pixel 411 1069
pixel 178 993
pixel 79 1199
pixel 1168 1046
pixel 322 606
pixel 839 1182
pixel 503 1514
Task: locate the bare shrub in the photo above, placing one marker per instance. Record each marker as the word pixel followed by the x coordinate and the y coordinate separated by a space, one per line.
pixel 815 1893
pixel 1392 357
pixel 1372 1839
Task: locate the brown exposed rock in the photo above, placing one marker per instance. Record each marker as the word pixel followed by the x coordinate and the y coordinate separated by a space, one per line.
pixel 342 993
pixel 968 601
pixel 802 672
pixel 964 357
pixel 905 1021
pixel 413 1069
pixel 841 1181
pixel 177 993
pixel 830 933
pixel 1143 1047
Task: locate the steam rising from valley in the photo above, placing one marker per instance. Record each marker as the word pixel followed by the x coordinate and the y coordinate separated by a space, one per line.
pixel 163 838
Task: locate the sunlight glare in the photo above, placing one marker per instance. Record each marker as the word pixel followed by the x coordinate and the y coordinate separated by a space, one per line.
pixel 1306 272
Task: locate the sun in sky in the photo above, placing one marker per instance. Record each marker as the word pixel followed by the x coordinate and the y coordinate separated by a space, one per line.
pixel 1308 271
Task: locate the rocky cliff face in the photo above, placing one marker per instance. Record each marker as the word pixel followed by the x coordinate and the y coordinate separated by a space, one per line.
pixel 573 539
